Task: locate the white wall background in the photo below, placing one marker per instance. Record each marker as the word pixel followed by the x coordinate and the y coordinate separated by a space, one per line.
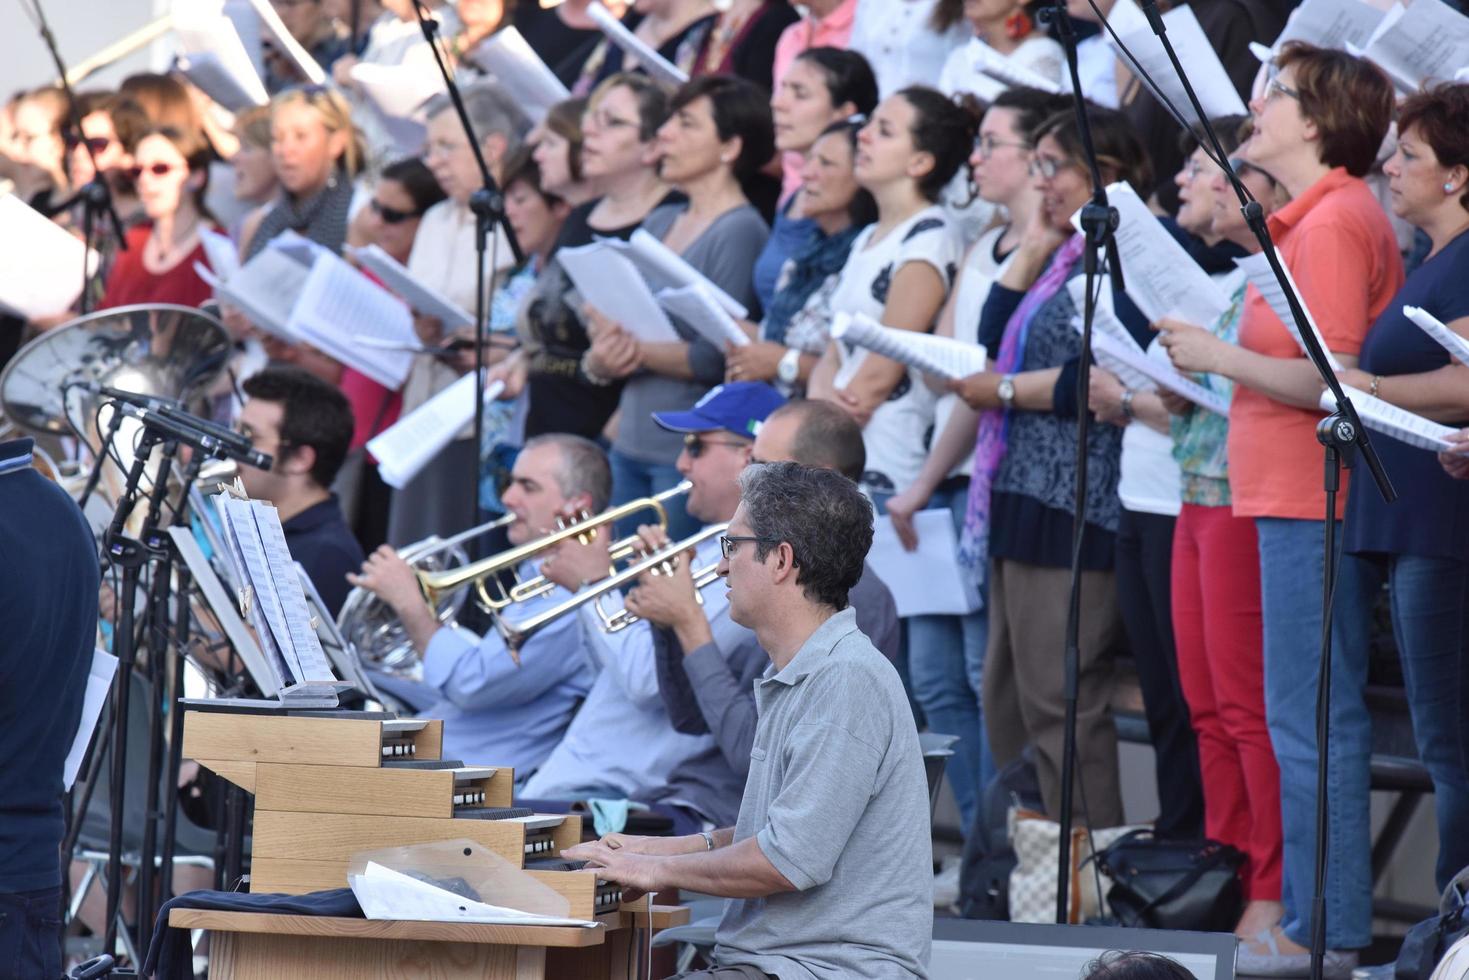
pixel 82 28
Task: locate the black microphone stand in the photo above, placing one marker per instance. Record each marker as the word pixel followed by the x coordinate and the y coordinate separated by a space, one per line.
pixel 95 196
pixel 488 206
pixel 1098 223
pixel 1340 433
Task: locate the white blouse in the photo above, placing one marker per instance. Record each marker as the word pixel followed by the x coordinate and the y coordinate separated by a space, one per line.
pixel 898 434
pixel 898 40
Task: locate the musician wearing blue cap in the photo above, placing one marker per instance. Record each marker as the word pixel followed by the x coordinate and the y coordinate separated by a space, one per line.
pixel 48 603
pixel 621 744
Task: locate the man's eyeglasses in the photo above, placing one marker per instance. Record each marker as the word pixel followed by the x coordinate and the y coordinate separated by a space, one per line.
pixel 1047 167
pixel 728 542
pixel 987 145
pixel 156 169
pixel 694 444
pixel 392 216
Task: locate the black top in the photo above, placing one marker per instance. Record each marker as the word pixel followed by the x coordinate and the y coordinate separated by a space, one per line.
pixel 561 399
pixel 321 541
pixel 562 48
pixel 48 603
pixel 752 55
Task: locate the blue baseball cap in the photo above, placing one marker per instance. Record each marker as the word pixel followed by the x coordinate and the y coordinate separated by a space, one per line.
pixel 737 407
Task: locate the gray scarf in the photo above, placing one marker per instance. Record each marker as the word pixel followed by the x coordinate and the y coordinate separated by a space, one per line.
pixel 322 217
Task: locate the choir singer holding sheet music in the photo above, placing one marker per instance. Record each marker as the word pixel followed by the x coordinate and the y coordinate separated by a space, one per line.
pixel 498 712
pixel 826 882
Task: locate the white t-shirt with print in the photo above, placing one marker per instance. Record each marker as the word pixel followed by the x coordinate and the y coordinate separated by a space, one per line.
pixel 898 434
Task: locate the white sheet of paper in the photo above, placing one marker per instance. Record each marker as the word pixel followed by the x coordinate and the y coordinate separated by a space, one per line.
pixel 1427 41
pixel 337 304
pixel 610 284
pixel 1161 277
pixel 224 86
pixel 99 682
pixel 515 65
pixel 1121 369
pixel 1162 372
pixel 944 357
pixel 1401 424
pixel 417 294
pixel 651 61
pixel 1004 69
pixel 657 262
pixel 315 669
pixel 404 448
pixel 1257 271
pixel 1329 24
pixel 226 608
pixel 400 93
pixel 266 289
pixel 223 257
pixel 928 581
pixel 387 894
pixel 242 538
pixel 696 307
pixel 41 265
pixel 215 47
pixel 1457 346
pixel 281 39
pixel 247 25
pixel 1216 92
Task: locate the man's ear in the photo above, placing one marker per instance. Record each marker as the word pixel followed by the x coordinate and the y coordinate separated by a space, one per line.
pixel 300 461
pixel 785 566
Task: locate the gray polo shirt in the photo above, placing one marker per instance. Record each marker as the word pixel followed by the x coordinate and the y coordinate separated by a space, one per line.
pixel 838 802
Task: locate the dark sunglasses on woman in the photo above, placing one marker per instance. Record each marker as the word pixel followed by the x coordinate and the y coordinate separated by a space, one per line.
pixel 156 169
pixel 392 216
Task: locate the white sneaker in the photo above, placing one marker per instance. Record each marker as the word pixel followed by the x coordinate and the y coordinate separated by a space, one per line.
pixel 946 884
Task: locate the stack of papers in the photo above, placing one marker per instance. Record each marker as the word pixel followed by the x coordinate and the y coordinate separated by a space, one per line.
pixel 1216 92
pixel 1262 277
pixel 943 357
pixel 1415 45
pixel 271 594
pixel 41 265
pixel 404 448
pixel 1401 424
pixel 611 284
pixel 511 61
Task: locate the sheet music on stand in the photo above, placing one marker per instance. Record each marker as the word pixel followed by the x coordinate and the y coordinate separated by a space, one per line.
pixel 272 598
pixel 339 651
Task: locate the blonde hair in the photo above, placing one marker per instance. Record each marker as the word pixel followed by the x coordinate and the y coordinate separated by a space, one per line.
pixel 335 114
pixel 253 126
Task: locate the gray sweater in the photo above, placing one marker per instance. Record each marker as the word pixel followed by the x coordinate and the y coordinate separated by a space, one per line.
pixel 725 254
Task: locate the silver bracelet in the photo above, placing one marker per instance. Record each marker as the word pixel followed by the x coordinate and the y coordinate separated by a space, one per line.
pixel 708 840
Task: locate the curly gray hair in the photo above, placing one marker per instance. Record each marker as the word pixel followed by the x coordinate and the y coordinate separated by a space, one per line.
pixel 818 512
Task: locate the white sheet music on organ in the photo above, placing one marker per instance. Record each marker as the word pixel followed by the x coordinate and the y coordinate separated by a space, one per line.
pixel 338 304
pixel 282 40
pixel 1216 92
pixel 658 262
pixel 1326 24
pixel 632 45
pixel 1399 423
pixel 415 292
pixel 1456 345
pixel 1161 277
pixel 514 64
pixel 1427 41
pixel 941 356
pixel 695 306
pixel 927 581
pixel 248 556
pixel 40 264
pixel 1258 273
pixel 404 448
pixel 611 284
pixel 1160 371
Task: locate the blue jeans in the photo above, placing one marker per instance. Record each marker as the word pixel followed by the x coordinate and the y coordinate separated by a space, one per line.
pixel 633 479
pixel 30 934
pixel 1290 585
pixel 945 667
pixel 1430 618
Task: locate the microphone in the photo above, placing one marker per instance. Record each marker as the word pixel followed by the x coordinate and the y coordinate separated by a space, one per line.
pixel 183 427
pixel 238 446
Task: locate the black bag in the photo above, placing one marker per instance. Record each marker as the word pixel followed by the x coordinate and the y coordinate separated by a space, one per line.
pixel 1428 941
pixel 1167 884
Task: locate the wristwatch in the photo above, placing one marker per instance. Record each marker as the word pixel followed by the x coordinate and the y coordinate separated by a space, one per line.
pixel 1006 391
pixel 789 368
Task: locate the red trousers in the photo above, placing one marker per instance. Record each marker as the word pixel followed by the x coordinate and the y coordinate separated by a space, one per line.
pixel 1219 637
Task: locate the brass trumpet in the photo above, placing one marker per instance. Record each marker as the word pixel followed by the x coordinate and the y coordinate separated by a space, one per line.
pixel 661 561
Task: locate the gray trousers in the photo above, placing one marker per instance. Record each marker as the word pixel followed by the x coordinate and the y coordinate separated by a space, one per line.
pixel 725 973
pixel 1024 678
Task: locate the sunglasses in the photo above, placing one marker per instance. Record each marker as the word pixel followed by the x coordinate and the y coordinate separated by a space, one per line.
pixel 392 216
pixel 695 444
pixel 156 169
pixel 97 144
